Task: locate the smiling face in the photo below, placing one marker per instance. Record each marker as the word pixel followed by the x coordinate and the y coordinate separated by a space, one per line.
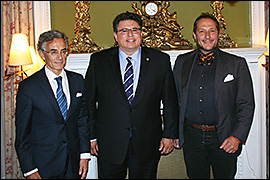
pixel 54 62
pixel 130 42
pixel 207 35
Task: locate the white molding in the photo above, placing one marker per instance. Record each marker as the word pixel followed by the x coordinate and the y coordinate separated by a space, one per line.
pixel 42 18
pixel 252 161
pixel 257 19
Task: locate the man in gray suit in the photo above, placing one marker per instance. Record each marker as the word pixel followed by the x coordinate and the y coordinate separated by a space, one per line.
pixel 215 95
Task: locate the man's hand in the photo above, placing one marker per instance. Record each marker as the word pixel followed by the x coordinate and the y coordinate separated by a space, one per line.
pixel 166 146
pixel 94 148
pixel 230 145
pixel 176 143
pixel 34 176
pixel 83 168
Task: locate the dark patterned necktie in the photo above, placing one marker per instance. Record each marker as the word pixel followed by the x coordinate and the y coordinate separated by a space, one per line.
pixel 61 98
pixel 206 59
pixel 128 80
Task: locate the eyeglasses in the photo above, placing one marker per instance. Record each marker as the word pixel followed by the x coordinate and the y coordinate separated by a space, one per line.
pixel 126 30
pixel 63 52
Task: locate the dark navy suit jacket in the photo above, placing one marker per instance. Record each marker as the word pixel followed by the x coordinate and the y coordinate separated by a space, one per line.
pixel 111 116
pixel 43 138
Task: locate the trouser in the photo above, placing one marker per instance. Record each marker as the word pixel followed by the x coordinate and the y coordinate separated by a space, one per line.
pixel 136 170
pixel 201 151
pixel 70 174
pixel 67 173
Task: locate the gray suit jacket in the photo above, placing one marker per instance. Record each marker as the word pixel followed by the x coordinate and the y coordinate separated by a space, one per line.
pixel 234 94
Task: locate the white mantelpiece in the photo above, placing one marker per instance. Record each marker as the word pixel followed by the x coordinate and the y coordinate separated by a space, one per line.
pixel 252 161
pixel 79 62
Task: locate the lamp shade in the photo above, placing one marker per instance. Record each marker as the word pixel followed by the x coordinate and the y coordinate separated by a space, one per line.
pixel 31 69
pixel 19 50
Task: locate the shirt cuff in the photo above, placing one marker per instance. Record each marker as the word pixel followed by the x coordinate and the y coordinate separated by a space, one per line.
pixel 82 156
pixel 30 172
pixel 237 140
pixel 85 156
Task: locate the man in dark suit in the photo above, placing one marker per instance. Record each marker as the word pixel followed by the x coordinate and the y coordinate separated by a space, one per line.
pixel 125 118
pixel 215 95
pixel 52 141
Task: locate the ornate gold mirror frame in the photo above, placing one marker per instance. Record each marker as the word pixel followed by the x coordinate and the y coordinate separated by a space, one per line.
pixel 82 42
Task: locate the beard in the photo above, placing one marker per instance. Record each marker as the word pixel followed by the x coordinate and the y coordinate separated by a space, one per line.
pixel 201 48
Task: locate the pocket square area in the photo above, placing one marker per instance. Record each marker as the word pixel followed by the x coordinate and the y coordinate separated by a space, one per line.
pixel 78 94
pixel 229 77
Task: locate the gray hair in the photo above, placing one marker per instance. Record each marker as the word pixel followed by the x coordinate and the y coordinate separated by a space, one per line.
pixel 49 36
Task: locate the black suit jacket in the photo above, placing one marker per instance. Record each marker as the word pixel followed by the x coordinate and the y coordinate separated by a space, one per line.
pixel 43 137
pixel 234 96
pixel 111 116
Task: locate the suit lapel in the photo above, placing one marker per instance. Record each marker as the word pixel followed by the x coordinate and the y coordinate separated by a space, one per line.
pixel 187 69
pixel 221 70
pixel 46 88
pixel 115 68
pixel 143 73
pixel 72 89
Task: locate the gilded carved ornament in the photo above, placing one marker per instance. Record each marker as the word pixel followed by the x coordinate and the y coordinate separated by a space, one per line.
pixel 160 27
pixel 224 38
pixel 82 42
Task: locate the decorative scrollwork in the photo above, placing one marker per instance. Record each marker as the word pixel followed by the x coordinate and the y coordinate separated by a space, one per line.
pixel 224 38
pixel 82 43
pixel 161 30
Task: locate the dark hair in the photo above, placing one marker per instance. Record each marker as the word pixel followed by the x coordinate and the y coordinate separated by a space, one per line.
pixel 49 36
pixel 126 16
pixel 205 15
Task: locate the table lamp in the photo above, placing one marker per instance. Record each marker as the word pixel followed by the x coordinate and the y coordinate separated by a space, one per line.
pixel 19 52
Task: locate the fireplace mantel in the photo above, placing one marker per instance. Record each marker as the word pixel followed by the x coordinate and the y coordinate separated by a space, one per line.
pixel 79 62
pixel 253 156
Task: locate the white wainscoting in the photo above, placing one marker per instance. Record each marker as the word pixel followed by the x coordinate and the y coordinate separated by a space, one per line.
pixel 252 161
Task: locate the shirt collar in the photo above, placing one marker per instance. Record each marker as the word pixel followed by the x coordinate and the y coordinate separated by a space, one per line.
pixel 135 56
pixel 51 75
pixel 214 50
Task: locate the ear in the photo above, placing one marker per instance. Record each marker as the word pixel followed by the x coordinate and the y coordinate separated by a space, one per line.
pixel 194 36
pixel 115 37
pixel 41 54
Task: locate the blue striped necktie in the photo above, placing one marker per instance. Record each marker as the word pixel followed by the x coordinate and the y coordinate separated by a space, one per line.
pixel 128 80
pixel 61 98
